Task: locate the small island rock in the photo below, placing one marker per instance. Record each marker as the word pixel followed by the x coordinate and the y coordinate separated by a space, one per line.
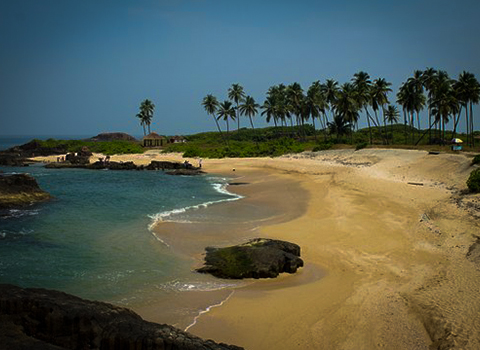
pixel 258 258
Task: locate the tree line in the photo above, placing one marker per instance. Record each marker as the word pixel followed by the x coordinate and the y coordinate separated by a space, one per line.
pixel 338 108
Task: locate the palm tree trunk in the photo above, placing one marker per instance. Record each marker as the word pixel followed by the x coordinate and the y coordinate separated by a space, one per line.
pixel 471 124
pixel 314 130
pixel 218 127
pixel 369 127
pixel 237 115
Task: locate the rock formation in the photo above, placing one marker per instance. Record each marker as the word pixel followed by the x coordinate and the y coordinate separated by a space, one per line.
pixel 48 320
pixel 258 258
pixel 18 190
pixel 112 136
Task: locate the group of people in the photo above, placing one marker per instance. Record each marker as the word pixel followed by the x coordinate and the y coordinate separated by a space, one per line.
pixel 188 165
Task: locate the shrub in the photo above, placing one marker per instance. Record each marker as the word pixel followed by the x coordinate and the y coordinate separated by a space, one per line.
pixel 473 181
pixel 476 159
pixel 360 146
pixel 322 146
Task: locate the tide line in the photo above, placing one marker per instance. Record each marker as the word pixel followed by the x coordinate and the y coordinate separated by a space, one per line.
pixel 207 310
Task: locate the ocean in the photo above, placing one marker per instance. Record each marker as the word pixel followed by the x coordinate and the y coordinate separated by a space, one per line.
pixel 96 238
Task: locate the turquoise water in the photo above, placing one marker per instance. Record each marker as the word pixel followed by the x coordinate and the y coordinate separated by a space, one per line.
pixel 94 239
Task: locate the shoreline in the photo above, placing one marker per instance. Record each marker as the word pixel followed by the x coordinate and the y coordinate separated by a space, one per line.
pixel 386 262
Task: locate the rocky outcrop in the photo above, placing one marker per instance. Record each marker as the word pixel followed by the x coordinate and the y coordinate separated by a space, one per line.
pixel 12 159
pixel 46 319
pixel 186 172
pixel 112 136
pixel 474 252
pixel 176 167
pixel 258 258
pixel 19 190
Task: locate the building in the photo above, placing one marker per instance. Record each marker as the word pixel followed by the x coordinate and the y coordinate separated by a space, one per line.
pixel 154 140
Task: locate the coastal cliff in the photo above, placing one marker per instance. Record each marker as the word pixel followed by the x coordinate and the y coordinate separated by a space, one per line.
pixel 47 319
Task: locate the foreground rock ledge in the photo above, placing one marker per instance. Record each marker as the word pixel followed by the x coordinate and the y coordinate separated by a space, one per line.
pixel 47 320
pixel 19 190
pixel 258 258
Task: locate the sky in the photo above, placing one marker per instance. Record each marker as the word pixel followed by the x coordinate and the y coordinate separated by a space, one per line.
pixel 83 67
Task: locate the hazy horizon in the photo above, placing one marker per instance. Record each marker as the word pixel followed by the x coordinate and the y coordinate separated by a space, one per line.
pixel 70 67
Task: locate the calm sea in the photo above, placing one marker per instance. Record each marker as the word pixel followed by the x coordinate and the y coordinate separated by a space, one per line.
pixel 94 238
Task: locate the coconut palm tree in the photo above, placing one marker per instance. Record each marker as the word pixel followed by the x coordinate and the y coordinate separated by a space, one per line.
pixel 294 94
pixel 315 103
pixel 146 111
pixel 236 94
pixel 226 111
pixel 469 95
pixel 141 117
pixel 428 79
pixel 362 84
pixel 379 96
pixel 249 108
pixel 210 103
pixel 391 116
pixel 339 126
pixel 347 105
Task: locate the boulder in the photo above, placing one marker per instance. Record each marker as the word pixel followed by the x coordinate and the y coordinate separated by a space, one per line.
pixel 258 258
pixel 47 319
pixel 17 190
pixel 12 159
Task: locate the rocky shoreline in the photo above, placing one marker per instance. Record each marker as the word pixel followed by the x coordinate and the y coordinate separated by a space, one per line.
pixel 19 190
pixel 48 319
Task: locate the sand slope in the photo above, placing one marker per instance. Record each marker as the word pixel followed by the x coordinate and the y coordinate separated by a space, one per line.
pixel 393 255
pixel 386 262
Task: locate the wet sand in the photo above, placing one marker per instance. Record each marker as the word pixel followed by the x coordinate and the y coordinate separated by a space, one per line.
pixel 384 234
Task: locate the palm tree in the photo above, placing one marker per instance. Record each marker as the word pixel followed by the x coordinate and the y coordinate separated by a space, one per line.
pixel 226 111
pixel 330 92
pixel 270 109
pixel 146 111
pixel 142 122
pixel 210 104
pixel 294 100
pixel 347 105
pixel 362 84
pixel 428 79
pixel 236 94
pixel 379 92
pixel 315 103
pixel 469 95
pixel 391 116
pixel 339 126
pixel 249 108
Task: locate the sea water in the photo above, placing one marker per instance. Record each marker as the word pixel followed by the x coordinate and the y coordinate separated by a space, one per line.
pixel 95 238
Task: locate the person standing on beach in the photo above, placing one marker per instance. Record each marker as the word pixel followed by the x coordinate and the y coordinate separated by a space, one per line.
pixel 200 163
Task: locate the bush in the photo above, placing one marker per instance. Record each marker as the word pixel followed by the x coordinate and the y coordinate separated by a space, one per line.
pixel 360 146
pixel 322 146
pixel 476 159
pixel 473 181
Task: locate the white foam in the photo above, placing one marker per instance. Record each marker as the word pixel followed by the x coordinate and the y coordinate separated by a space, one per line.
pixel 207 310
pixel 166 216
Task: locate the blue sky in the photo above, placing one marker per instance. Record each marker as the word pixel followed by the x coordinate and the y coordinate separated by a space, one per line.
pixel 83 67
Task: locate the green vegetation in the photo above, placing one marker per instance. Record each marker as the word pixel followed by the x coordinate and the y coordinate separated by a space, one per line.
pixel 473 181
pixel 105 147
pixel 476 159
pixel 338 109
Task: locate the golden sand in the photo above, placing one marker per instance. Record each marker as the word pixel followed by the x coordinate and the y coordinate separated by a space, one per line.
pixel 384 235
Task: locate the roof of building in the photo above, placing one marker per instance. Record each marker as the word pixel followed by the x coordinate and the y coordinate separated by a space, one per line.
pixel 153 135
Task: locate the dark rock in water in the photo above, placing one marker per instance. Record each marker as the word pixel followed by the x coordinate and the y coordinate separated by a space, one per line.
pixel 113 166
pixel 12 159
pixel 112 136
pixel 188 172
pixel 19 190
pixel 162 165
pixel 258 258
pixel 47 319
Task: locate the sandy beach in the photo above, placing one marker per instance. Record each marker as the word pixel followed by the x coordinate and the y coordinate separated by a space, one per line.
pixel 384 235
